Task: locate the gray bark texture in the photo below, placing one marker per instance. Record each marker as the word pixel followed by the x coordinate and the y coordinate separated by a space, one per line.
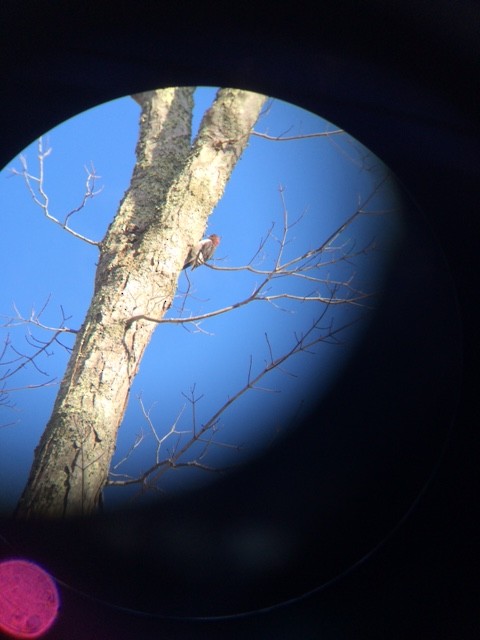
pixel 174 187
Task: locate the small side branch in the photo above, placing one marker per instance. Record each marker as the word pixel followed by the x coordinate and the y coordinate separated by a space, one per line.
pixel 304 136
pixel 36 188
pixel 14 359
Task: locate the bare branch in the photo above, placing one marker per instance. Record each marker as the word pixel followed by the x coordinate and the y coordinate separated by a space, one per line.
pixel 138 440
pixel 34 319
pixel 304 136
pixel 262 244
pixel 303 343
pixel 41 348
pixel 14 359
pixel 36 188
pixel 310 261
pixel 269 348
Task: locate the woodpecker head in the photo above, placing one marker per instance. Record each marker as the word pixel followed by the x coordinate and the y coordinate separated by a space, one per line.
pixel 215 239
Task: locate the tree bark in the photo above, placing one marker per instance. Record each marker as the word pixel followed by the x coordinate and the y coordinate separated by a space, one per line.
pixel 173 189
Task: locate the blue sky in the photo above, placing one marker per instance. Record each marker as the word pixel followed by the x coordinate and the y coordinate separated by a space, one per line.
pixel 323 179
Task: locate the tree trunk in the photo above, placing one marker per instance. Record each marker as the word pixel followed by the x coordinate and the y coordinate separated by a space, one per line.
pixel 173 190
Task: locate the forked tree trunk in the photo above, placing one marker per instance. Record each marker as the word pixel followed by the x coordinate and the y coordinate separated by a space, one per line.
pixel 173 190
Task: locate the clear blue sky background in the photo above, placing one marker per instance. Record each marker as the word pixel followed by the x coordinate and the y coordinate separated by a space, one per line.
pixel 324 180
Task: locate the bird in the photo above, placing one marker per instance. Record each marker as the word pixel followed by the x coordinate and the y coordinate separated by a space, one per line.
pixel 202 251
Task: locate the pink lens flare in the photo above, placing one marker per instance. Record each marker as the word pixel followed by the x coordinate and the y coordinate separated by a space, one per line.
pixel 28 599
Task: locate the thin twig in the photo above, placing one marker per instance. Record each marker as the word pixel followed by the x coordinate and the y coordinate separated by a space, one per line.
pixel 41 198
pixel 304 136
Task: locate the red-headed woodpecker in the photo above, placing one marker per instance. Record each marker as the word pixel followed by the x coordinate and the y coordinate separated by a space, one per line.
pixel 202 251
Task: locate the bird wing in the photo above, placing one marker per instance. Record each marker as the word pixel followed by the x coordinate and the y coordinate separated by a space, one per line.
pixel 202 252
